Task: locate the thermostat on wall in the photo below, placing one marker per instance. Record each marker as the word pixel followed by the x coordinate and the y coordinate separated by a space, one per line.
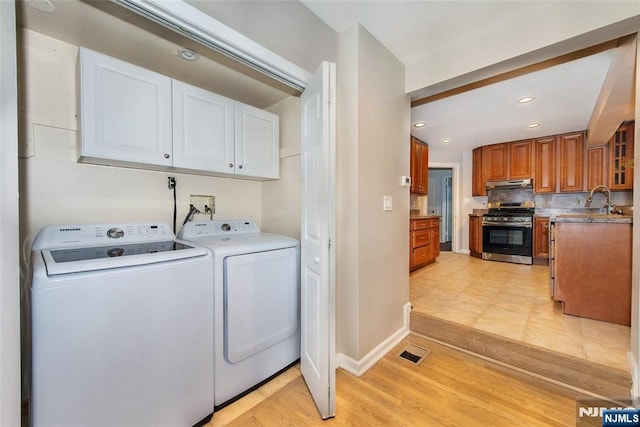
pixel 405 181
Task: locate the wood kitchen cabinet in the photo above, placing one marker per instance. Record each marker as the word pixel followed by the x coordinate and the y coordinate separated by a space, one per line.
pixel 419 167
pixel 424 242
pixel 479 174
pixel 621 158
pixel 544 178
pixel 497 162
pixel 597 166
pixel 520 159
pixel 475 235
pixel 571 150
pixel 591 269
pixel 541 240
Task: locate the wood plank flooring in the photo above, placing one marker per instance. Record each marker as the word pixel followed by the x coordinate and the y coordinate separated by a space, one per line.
pixel 448 388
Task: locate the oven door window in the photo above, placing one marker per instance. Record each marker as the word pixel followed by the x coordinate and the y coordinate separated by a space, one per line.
pixel 507 240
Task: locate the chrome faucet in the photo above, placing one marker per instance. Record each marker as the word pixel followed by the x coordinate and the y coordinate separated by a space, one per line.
pixel 607 201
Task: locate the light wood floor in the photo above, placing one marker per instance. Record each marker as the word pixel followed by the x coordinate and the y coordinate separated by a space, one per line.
pixel 512 300
pixel 448 388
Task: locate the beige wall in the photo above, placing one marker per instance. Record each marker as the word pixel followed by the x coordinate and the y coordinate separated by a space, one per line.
pixel 635 274
pixel 281 199
pixel 372 153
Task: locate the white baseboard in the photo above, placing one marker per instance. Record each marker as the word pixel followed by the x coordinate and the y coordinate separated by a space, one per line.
pixel 359 367
pixel 464 251
pixel 633 369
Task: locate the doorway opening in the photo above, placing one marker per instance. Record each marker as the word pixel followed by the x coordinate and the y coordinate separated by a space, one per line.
pixel 440 202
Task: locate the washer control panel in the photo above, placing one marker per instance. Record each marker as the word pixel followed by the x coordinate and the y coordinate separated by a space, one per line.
pixel 218 228
pixel 100 234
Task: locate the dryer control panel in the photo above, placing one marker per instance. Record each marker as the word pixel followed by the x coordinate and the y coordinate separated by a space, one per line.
pixel 218 228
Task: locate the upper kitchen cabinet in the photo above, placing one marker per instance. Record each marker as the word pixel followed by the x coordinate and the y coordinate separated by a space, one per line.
pixel 479 178
pixel 544 180
pixel 419 166
pixel 621 158
pixel 130 116
pixel 125 112
pixel 571 147
pixel 520 159
pixel 596 164
pixel 497 161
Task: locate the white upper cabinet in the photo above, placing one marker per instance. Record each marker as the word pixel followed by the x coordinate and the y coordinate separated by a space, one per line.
pixel 203 135
pixel 130 116
pixel 125 112
pixel 257 150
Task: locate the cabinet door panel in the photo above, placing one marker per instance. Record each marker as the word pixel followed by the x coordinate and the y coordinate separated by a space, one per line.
pixel 125 111
pixel 520 159
pixel 621 158
pixel 540 237
pixel 257 142
pixel 478 187
pixel 544 180
pixel 596 167
pixel 497 165
pixel 571 162
pixel 202 129
pixel 419 166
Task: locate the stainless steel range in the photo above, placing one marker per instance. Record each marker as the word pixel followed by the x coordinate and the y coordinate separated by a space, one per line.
pixel 507 229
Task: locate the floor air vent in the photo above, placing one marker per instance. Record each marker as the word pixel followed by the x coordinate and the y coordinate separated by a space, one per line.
pixel 414 354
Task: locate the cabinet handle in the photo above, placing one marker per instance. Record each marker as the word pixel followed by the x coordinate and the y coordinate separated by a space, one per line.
pixel 230 165
pixel 240 167
pixel 167 155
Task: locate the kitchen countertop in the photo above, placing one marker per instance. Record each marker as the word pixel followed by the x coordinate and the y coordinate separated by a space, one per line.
pixel 423 216
pixel 593 218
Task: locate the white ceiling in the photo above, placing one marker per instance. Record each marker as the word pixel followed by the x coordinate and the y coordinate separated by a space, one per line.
pixel 415 30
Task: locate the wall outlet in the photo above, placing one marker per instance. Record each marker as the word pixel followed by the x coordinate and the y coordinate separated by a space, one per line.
pixel 206 205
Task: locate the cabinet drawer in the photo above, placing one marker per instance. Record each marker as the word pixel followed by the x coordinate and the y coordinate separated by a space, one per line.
pixel 420 238
pixel 420 224
pixel 421 255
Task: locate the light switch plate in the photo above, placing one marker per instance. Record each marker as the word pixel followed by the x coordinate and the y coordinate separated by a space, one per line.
pixel 405 181
pixel 387 203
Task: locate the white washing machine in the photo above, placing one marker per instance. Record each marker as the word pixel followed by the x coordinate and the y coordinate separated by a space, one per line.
pixel 122 327
pixel 257 300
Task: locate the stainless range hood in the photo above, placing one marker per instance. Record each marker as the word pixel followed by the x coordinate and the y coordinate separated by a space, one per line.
pixel 512 183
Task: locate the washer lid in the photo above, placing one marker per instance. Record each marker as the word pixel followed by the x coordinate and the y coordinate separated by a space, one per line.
pixel 82 259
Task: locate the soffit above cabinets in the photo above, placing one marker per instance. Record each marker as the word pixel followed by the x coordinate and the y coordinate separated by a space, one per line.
pixel 106 27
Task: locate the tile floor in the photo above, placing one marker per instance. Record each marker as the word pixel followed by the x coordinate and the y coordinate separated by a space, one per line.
pixel 512 300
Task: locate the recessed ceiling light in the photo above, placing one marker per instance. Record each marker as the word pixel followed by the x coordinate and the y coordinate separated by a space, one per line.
pixel 419 125
pixel 526 99
pixel 533 125
pixel 188 54
pixel 446 141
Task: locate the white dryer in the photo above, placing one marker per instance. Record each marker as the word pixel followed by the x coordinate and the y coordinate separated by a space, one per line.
pixel 257 299
pixel 122 327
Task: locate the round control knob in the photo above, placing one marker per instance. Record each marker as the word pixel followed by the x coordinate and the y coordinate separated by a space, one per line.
pixel 115 233
pixel 240 167
pixel 115 252
pixel 166 155
pixel 230 165
pixel 225 227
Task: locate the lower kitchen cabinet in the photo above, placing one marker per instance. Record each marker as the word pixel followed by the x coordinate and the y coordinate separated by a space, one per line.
pixel 424 242
pixel 475 235
pixel 591 269
pixel 541 240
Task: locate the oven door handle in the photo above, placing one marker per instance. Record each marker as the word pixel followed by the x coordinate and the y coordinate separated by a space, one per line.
pixel 508 224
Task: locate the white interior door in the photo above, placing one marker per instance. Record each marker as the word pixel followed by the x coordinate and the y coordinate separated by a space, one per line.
pixel 317 355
